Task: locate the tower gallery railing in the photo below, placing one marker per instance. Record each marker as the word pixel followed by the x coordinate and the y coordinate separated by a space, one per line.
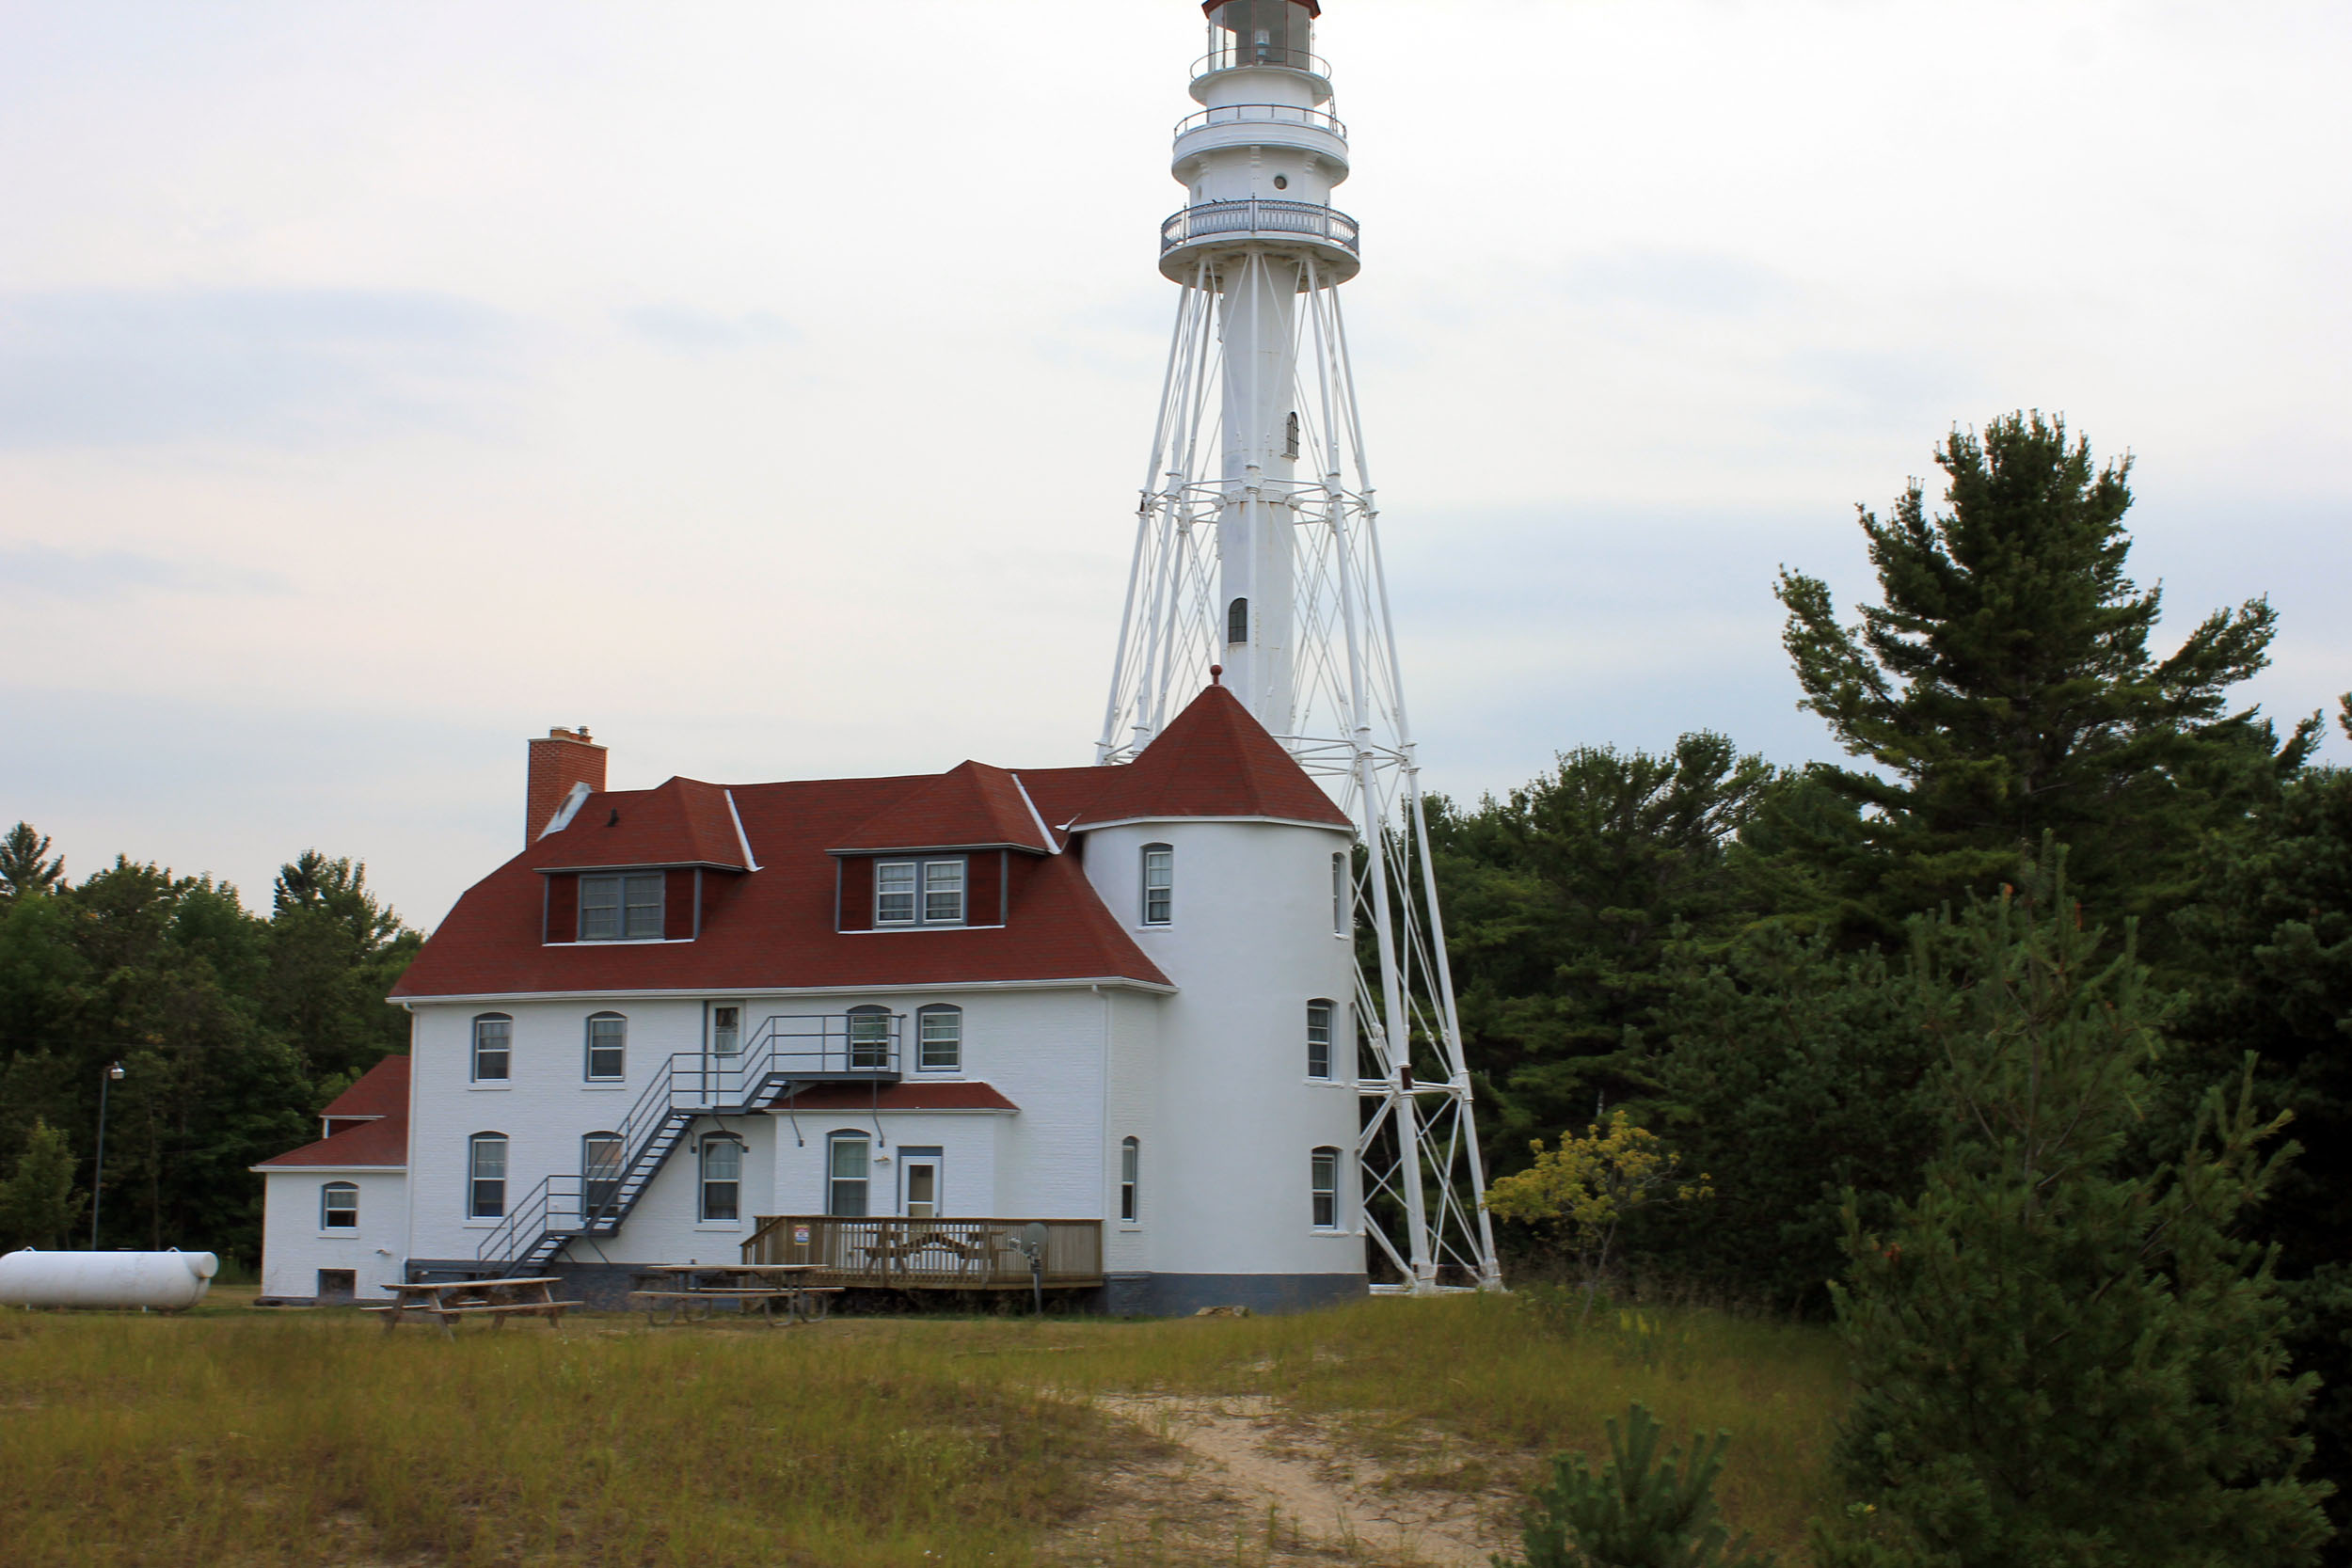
pixel 1259 216
pixel 1264 114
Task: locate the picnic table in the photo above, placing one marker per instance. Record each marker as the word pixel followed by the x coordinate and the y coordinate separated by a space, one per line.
pixel 449 1300
pixel 685 1286
pixel 899 1247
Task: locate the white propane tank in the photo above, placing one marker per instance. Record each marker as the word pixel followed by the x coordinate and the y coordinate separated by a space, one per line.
pixel 168 1281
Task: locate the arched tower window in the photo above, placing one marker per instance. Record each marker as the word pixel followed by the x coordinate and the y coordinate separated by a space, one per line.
pixel 1159 884
pixel 1237 621
pixel 1324 1182
pixel 1319 1039
pixel 1129 1172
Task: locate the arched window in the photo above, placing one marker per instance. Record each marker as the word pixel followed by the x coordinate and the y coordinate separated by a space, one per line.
pixel 1130 1173
pixel 1159 884
pixel 723 1177
pixel 599 1174
pixel 485 1176
pixel 608 1047
pixel 939 1038
pixel 1319 1039
pixel 1338 895
pixel 1237 621
pixel 1324 1181
pixel 869 1039
pixel 339 1206
pixel 847 1168
pixel 493 1047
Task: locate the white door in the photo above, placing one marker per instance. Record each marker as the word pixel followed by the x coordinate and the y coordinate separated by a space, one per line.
pixel 923 1193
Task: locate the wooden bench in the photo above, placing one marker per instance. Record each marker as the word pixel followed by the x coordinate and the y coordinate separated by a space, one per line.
pixel 764 1285
pixel 448 1300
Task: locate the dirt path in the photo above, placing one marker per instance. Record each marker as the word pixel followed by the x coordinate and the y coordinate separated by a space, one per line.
pixel 1242 1481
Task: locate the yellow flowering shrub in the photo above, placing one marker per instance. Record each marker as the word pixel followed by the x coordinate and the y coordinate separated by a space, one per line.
pixel 1582 1191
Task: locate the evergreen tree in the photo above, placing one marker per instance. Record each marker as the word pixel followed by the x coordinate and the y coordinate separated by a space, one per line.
pixel 38 1205
pixel 334 953
pixel 2272 931
pixel 2005 689
pixel 1559 902
pixel 23 864
pixel 2060 1360
pixel 1792 1073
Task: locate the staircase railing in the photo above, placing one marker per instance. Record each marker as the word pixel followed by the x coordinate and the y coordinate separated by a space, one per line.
pixel 786 1049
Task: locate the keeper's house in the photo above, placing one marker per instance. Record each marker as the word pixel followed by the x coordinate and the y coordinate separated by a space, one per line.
pixel 879 1025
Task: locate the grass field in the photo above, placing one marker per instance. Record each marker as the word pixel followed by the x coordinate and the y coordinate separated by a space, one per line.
pixel 234 1436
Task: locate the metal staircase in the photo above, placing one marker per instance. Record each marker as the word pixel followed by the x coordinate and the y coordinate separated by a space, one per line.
pixel 565 1207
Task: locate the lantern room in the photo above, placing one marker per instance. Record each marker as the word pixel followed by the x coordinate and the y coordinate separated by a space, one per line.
pixel 1267 35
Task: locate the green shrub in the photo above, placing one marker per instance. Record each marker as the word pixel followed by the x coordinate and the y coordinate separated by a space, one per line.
pixel 1632 1515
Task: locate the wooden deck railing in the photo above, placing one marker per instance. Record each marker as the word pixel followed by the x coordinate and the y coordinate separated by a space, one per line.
pixel 927 1254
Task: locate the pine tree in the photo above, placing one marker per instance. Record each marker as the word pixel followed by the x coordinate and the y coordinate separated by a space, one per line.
pixel 24 865
pixel 2005 689
pixel 38 1205
pixel 2060 1359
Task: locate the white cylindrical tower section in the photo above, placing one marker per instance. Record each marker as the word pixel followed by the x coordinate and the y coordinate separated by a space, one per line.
pixel 1255 1076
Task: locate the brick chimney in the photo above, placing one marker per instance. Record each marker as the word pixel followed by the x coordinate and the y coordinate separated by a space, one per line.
pixel 565 758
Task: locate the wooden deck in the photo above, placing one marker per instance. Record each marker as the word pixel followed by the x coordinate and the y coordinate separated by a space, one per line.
pixel 927 1254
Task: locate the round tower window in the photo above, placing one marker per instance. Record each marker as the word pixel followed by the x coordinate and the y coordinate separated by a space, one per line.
pixel 1281 181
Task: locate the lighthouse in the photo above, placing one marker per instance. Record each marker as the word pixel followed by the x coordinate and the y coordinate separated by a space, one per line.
pixel 1257 557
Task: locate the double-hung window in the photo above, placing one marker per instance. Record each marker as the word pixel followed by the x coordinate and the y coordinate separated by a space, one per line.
pixel 869 1039
pixel 1159 884
pixel 485 1172
pixel 608 1047
pixel 1319 1039
pixel 1324 1182
pixel 723 1179
pixel 919 892
pixel 726 1028
pixel 939 1038
pixel 339 1206
pixel 846 1166
pixel 621 907
pixel 599 1174
pixel 493 1048
pixel 1130 1171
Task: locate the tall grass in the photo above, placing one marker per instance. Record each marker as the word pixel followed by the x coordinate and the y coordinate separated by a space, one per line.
pixel 263 1440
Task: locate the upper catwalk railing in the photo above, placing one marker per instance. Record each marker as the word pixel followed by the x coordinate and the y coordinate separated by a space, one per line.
pixel 1256 217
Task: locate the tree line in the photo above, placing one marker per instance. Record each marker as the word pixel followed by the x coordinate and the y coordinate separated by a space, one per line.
pixel 231 1027
pixel 2019 1040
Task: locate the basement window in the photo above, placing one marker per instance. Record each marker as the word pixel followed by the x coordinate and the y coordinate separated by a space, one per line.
pixel 621 908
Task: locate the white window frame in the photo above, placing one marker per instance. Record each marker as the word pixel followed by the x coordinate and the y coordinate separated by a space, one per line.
pixel 951 1038
pixel 718 1038
pixel 328 1207
pixel 1339 894
pixel 1321 1165
pixel 711 1143
pixel 934 890
pixel 872 1053
pixel 505 1051
pixel 912 892
pixel 589 1048
pixel 626 906
pixel 944 884
pixel 476 1146
pixel 589 1167
pixel 865 1180
pixel 1131 1181
pixel 1327 1011
pixel 1162 910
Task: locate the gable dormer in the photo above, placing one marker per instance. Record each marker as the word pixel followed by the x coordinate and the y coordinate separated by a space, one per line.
pixel 638 866
pixel 943 855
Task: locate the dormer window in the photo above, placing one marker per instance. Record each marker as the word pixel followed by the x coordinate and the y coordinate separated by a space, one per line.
pixel 622 907
pixel 919 892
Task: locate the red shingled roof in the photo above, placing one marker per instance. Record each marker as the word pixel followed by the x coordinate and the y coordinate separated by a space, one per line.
pixel 683 822
pixel 774 929
pixel 381 1091
pixel 971 806
pixel 381 1142
pixel 898 1096
pixel 1214 759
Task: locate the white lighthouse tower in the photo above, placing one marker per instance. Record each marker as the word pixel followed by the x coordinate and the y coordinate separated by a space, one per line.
pixel 1256 549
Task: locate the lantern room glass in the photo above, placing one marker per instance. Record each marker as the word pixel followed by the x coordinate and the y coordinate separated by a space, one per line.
pixel 1262 32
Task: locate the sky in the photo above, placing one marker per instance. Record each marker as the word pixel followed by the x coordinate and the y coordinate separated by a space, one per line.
pixel 767 385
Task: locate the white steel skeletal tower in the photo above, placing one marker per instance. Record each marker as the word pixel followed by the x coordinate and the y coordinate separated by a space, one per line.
pixel 1256 549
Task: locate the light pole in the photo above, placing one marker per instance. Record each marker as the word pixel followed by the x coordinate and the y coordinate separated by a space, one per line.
pixel 98 1173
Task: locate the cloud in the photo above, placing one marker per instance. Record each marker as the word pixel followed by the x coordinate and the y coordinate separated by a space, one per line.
pixel 277 367
pixel 704 331
pixel 1702 282
pixel 37 569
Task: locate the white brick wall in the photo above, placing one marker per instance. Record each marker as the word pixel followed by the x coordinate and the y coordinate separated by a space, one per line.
pixel 295 1248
